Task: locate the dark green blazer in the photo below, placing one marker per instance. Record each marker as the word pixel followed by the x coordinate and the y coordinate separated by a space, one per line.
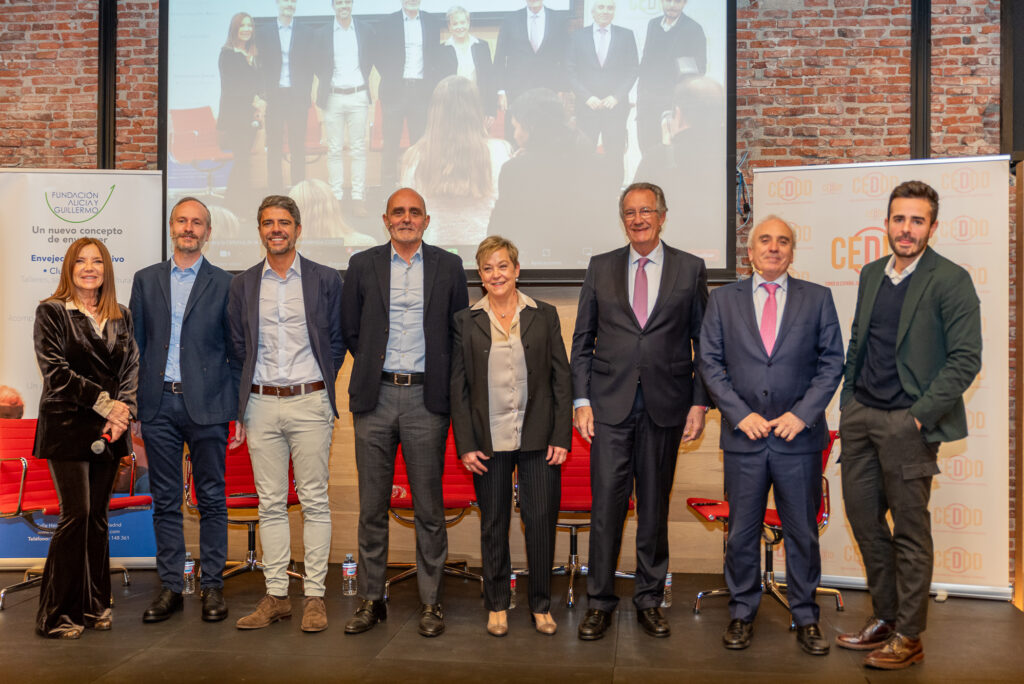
pixel 548 419
pixel 938 343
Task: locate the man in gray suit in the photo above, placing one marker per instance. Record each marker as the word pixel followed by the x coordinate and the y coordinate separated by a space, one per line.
pixel 636 395
pixel 188 392
pixel 285 325
pixel 771 354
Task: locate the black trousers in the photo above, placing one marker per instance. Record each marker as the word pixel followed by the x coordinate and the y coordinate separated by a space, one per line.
pixel 637 452
pixel 887 466
pixel 540 492
pixel 76 577
pixel 408 106
pixel 287 109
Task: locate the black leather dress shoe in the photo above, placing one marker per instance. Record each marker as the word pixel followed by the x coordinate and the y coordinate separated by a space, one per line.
pixel 367 615
pixel 432 620
pixel 163 605
pixel 653 622
pixel 737 634
pixel 215 608
pixel 810 639
pixel 595 623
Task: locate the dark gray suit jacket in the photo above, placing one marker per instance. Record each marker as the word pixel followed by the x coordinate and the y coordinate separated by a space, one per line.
pixel 365 305
pixel 321 294
pixel 800 375
pixel 548 419
pixel 209 367
pixel 611 353
pixel 586 75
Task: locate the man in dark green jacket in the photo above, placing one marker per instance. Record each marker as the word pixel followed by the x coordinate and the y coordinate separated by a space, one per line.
pixel 915 348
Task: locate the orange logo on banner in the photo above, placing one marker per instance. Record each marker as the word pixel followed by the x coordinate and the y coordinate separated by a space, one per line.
pixel 964 181
pixel 851 554
pixel 789 188
pixel 975 420
pixel 963 229
pixel 957 516
pixel 979 275
pixel 860 249
pixel 958 560
pixel 875 184
pixel 832 188
pixel 960 468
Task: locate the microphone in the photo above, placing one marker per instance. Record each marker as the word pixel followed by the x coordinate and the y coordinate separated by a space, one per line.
pixel 100 445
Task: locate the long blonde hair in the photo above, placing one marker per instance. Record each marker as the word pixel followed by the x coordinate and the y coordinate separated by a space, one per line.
pixel 107 308
pixel 452 157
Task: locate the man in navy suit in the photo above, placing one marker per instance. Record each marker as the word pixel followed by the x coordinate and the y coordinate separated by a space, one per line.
pixel 398 313
pixel 636 396
pixel 286 69
pixel 602 66
pixel 188 380
pixel 530 53
pixel 409 61
pixel 343 68
pixel 771 355
pixel 284 324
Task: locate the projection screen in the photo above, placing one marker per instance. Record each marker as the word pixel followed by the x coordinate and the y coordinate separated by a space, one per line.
pixel 235 128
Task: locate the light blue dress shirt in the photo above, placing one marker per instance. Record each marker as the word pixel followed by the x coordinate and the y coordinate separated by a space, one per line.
pixel 284 355
pixel 182 281
pixel 407 348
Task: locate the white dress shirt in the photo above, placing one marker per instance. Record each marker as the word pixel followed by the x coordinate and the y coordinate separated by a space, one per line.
pixel 346 57
pixel 284 34
pixel 897 278
pixel 284 355
pixel 464 55
pixel 653 271
pixel 413 46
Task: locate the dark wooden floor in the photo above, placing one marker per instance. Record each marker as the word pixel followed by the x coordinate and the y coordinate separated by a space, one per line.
pixel 967 641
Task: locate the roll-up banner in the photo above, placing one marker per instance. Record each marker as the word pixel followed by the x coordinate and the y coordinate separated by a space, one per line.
pixel 44 212
pixel 838 212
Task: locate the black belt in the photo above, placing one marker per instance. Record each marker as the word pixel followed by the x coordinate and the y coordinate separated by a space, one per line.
pixel 403 379
pixel 173 388
pixel 348 91
pixel 289 390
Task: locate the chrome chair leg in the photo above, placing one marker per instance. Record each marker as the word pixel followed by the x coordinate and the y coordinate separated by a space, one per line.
pixel 828 591
pixel 707 594
pixel 24 584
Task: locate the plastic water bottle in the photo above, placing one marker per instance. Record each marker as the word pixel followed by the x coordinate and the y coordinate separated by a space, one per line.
pixel 666 600
pixel 512 591
pixel 190 574
pixel 348 581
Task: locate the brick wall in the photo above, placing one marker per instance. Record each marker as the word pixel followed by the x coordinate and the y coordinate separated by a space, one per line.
pixel 138 25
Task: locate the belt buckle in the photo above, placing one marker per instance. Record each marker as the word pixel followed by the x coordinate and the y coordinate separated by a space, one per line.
pixel 406 376
pixel 176 388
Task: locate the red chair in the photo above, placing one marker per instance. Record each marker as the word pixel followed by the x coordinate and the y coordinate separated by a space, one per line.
pixel 194 142
pixel 713 510
pixel 577 501
pixel 240 493
pixel 27 489
pixel 459 496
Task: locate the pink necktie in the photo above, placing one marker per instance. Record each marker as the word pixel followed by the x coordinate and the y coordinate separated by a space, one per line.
pixel 640 292
pixel 602 48
pixel 768 317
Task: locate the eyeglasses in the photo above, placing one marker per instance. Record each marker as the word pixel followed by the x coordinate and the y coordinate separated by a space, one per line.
pixel 644 213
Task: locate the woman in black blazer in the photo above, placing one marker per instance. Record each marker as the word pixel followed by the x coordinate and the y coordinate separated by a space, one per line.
pixel 512 409
pixel 90 365
pixel 241 109
pixel 463 54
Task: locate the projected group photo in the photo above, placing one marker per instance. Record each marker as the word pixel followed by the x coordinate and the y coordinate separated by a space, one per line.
pixel 521 119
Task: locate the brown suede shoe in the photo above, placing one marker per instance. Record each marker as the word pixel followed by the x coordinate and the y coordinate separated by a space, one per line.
pixel 268 610
pixel 873 634
pixel 899 652
pixel 314 614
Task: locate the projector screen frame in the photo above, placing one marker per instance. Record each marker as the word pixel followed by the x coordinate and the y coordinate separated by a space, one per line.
pixel 532 276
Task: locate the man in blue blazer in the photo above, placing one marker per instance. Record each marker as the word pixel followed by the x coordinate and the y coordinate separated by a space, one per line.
pixel 284 322
pixel 188 379
pixel 397 312
pixel 771 355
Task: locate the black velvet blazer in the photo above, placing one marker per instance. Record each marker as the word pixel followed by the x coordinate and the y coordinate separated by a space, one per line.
pixel 76 366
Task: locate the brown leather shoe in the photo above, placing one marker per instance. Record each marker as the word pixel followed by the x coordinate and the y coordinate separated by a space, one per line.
pixel 873 634
pixel 268 610
pixel 314 614
pixel 899 652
